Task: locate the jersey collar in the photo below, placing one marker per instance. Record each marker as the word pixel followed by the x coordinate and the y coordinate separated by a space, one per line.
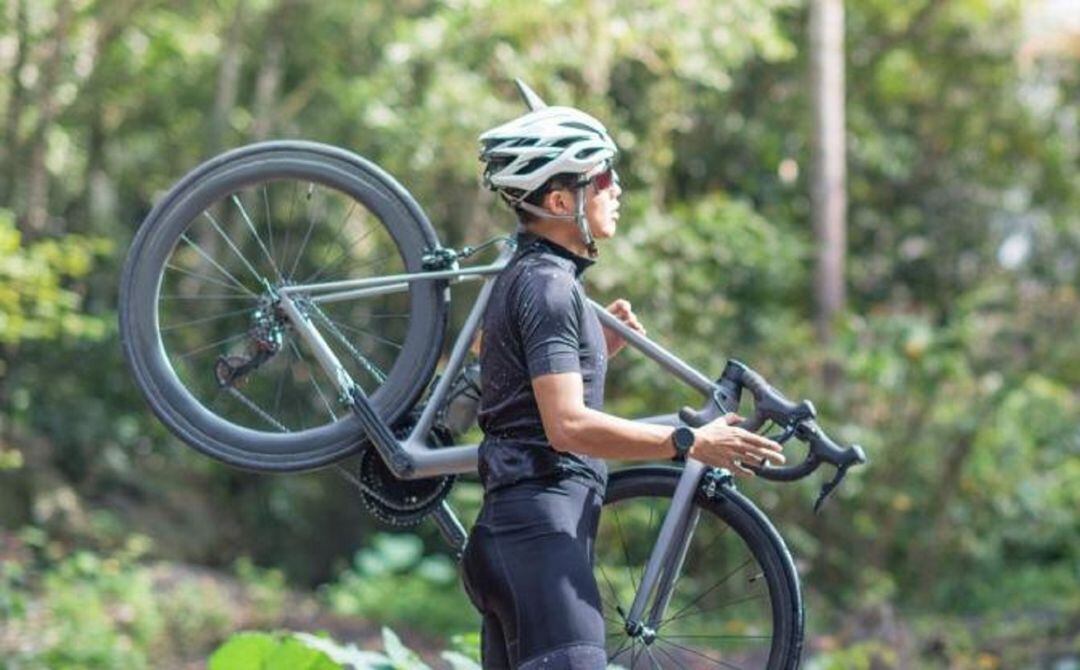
pixel 530 242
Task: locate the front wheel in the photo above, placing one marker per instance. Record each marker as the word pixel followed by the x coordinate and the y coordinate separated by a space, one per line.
pixel 736 602
pixel 201 321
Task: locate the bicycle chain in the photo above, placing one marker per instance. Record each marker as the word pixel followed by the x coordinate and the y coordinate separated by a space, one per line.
pixel 359 357
pixel 382 504
pixel 250 404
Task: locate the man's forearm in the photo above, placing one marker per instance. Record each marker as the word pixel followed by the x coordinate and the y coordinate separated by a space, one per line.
pixel 594 433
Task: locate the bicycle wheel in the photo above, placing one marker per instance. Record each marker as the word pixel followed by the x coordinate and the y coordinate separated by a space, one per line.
pixel 214 355
pixel 736 603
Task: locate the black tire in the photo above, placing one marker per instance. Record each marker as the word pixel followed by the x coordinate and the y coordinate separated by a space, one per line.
pixel 399 230
pixel 751 580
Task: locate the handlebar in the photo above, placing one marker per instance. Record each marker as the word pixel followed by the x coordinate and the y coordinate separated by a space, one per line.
pixel 795 419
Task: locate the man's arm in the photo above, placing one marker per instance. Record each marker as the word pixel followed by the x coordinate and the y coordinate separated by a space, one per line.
pixel 571 426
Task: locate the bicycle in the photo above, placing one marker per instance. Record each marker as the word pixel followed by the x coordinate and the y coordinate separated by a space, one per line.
pixel 263 341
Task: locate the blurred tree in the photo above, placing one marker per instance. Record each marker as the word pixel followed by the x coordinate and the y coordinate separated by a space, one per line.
pixel 958 342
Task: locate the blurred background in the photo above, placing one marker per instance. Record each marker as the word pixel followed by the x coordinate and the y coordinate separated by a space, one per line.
pixel 927 302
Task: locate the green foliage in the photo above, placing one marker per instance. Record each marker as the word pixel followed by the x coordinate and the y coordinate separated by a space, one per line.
pixel 37 299
pixel 959 360
pixel 265 651
pixel 87 612
pixel 392 581
pixel 92 610
pixel 268 651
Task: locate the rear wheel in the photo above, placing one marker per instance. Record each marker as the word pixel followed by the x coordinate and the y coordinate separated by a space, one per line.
pixel 202 330
pixel 736 603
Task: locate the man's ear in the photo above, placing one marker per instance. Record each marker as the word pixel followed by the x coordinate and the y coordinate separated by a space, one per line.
pixel 559 201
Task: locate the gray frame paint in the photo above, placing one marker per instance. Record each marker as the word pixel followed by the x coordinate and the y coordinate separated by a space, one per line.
pixel 412 458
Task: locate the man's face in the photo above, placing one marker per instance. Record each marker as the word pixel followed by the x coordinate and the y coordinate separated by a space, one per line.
pixel 602 205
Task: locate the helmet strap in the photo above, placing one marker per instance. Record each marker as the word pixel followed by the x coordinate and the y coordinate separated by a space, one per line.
pixel 582 222
pixel 578 216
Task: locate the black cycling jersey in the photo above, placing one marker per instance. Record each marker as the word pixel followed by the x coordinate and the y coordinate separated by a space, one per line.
pixel 538 322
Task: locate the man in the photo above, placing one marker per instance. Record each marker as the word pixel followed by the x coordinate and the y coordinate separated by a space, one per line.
pixel 528 563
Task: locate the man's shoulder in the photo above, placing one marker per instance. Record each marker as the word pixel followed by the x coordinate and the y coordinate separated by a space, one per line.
pixel 537 273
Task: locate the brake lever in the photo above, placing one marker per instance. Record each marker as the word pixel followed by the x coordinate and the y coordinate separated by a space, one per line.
pixel 828 487
pixel 789 432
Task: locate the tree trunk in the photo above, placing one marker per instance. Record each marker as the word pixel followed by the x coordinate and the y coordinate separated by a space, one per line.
pixel 828 193
pixel 268 81
pixel 13 117
pixel 227 83
pixel 37 182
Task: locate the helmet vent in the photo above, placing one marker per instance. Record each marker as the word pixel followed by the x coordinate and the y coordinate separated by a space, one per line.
pixel 580 126
pixel 532 165
pixel 567 141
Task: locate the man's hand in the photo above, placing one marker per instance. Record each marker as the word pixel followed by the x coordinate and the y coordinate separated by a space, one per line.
pixel 620 309
pixel 722 444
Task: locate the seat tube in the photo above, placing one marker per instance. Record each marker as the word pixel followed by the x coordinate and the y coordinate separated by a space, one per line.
pixel 670 548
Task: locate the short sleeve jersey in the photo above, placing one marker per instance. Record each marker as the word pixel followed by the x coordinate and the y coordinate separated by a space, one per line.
pixel 537 322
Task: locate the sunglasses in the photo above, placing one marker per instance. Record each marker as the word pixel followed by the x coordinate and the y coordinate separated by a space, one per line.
pixel 605 179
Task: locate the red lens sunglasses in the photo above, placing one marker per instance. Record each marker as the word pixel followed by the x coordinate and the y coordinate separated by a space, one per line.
pixel 605 179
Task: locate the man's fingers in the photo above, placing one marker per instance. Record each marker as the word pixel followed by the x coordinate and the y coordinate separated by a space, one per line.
pixel 775 458
pixel 739 469
pixel 620 307
pixel 731 418
pixel 759 440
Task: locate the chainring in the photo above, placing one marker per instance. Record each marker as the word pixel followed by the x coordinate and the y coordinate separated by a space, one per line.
pixel 401 502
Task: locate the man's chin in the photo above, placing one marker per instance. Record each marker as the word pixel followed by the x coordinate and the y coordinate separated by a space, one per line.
pixel 607 231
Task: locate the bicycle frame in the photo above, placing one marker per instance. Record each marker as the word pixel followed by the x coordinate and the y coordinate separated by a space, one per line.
pixel 412 458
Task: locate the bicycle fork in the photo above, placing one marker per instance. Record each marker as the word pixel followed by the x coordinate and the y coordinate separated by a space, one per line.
pixel 667 557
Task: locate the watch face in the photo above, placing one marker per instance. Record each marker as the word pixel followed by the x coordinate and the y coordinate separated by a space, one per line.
pixel 683 438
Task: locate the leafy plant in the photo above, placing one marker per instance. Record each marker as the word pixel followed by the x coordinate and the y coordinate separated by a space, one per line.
pixel 392 581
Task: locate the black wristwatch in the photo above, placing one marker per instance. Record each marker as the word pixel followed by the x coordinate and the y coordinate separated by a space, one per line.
pixel 682 439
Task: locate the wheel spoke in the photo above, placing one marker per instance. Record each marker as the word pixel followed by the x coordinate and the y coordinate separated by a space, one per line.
pixel 206 296
pixel 231 338
pixel 270 228
pixel 717 637
pixel 307 234
pixel 255 233
pixel 339 257
pixel 314 380
pixel 220 269
pixel 652 659
pixel 675 660
pixel 696 600
pixel 207 319
pixel 698 653
pixel 729 603
pixel 622 648
pixel 228 241
pixel 367 333
pixel 625 550
pixel 218 282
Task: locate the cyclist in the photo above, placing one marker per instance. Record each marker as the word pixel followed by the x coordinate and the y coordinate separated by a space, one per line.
pixel 528 563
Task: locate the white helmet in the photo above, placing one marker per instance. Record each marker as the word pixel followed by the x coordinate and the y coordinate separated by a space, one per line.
pixel 528 151
pixel 522 155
